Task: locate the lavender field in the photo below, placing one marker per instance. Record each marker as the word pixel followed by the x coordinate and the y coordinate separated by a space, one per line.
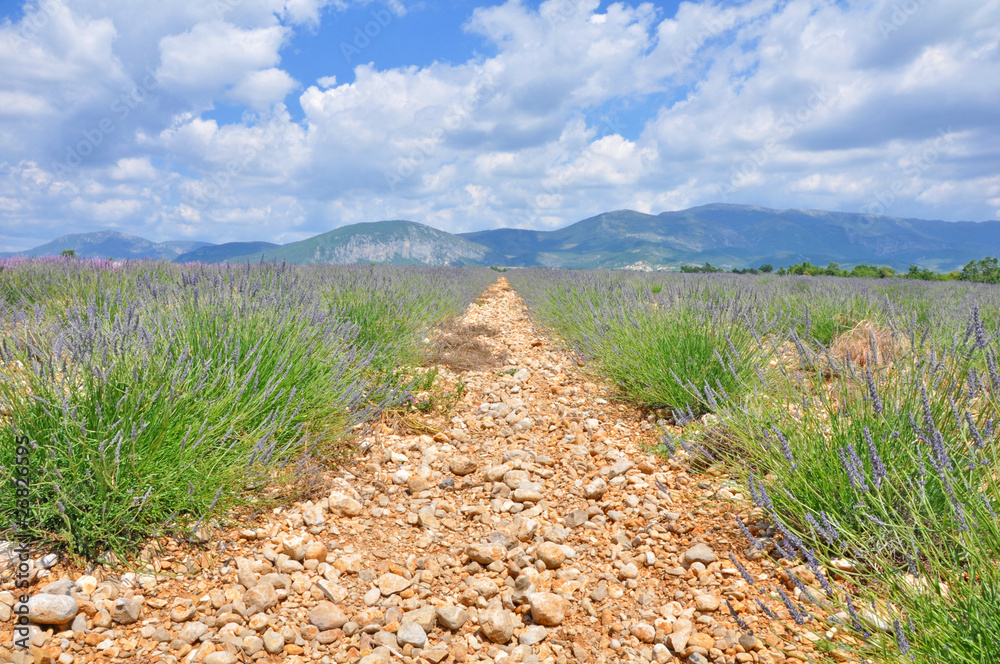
pixel 154 395
pixel 860 416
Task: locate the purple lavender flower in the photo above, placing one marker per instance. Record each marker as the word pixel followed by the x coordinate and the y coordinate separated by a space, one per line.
pixel 710 397
pixel 803 588
pixel 873 392
pixel 740 568
pixel 977 438
pixel 855 621
pixel 973 383
pixel 786 449
pixel 878 468
pixel 988 504
pixel 877 521
pixel 852 466
pixel 977 329
pixel 792 609
pixel 825 529
pixel 739 621
pixel 901 641
pixel 760 376
pixel 954 411
pixel 767 612
pixel 757 493
pixel 754 542
pixel 789 536
pixel 911 565
pixel 921 468
pixel 785 553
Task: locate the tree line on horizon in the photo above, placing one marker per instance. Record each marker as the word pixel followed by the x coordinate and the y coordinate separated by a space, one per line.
pixel 984 271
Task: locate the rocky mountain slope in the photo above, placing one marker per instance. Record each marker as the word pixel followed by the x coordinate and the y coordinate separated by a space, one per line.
pixel 390 242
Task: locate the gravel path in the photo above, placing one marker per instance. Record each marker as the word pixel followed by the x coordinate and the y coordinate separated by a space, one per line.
pixel 531 527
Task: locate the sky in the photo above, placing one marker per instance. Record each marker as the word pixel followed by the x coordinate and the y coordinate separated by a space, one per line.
pixel 236 120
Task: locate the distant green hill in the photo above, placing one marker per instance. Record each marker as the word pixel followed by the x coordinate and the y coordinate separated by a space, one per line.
pixel 111 244
pixel 229 251
pixel 390 242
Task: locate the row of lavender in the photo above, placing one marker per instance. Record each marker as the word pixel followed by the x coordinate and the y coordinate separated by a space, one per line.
pixel 860 415
pixel 152 394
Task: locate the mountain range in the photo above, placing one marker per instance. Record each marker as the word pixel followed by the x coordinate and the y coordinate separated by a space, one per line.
pixel 113 244
pixel 728 236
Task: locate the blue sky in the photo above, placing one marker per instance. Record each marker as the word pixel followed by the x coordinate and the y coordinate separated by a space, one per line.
pixel 225 120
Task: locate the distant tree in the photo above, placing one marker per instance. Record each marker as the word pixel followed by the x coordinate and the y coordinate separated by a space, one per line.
pixel 67 253
pixel 984 271
pixel 871 271
pixel 915 272
pixel 805 267
pixel 707 267
pixel 766 268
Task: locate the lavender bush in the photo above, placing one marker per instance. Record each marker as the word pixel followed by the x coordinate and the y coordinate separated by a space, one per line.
pixel 888 468
pixel 153 394
pixel 682 344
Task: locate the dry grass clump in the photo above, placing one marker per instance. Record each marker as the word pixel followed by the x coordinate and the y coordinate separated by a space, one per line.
pixel 867 345
pixel 461 348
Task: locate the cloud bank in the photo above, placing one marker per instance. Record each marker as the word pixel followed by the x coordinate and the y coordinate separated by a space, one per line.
pixel 109 115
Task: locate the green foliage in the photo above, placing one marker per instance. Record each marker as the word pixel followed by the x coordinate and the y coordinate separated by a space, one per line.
pixel 154 395
pixel 834 270
pixel 891 466
pixel 661 353
pixel 67 253
pixel 915 272
pixel 984 271
pixel 707 268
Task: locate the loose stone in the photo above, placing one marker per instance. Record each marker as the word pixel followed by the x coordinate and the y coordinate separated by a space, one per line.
pixel 706 603
pixel 452 617
pixel 260 598
pixel 327 615
pixel 532 634
pixel 410 633
pixel 547 609
pixel 46 609
pixel 497 623
pixel 390 584
pixel 462 465
pixel 551 554
pixel 344 505
pixel 700 553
